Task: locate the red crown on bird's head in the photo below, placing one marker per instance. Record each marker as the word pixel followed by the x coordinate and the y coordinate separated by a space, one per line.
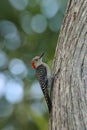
pixel 33 64
pixel 35 60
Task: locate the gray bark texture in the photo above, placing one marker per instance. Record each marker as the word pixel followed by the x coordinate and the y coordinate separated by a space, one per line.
pixel 69 105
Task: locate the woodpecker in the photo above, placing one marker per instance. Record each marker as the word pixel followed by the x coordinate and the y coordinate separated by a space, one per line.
pixel 44 77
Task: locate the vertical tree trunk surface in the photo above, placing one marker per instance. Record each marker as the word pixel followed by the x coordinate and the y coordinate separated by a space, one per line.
pixel 69 110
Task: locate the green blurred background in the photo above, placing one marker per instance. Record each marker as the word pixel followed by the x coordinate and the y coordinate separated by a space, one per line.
pixel 27 28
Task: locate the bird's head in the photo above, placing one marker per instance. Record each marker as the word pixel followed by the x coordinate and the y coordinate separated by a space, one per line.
pixel 37 61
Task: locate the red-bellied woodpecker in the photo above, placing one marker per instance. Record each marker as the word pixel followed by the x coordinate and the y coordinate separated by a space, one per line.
pixel 44 77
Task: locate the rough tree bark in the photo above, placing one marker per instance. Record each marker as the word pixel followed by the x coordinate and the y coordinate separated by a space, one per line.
pixel 69 110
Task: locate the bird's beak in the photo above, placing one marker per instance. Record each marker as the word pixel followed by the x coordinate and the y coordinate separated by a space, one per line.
pixel 41 55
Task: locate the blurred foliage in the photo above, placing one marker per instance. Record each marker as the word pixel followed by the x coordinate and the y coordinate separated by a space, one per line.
pixel 27 28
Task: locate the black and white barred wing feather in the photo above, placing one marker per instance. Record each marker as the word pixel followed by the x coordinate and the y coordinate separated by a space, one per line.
pixel 42 78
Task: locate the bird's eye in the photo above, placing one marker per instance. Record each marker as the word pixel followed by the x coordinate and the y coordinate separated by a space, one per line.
pixel 36 59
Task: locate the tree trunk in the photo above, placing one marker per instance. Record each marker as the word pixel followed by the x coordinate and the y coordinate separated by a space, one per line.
pixel 69 111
